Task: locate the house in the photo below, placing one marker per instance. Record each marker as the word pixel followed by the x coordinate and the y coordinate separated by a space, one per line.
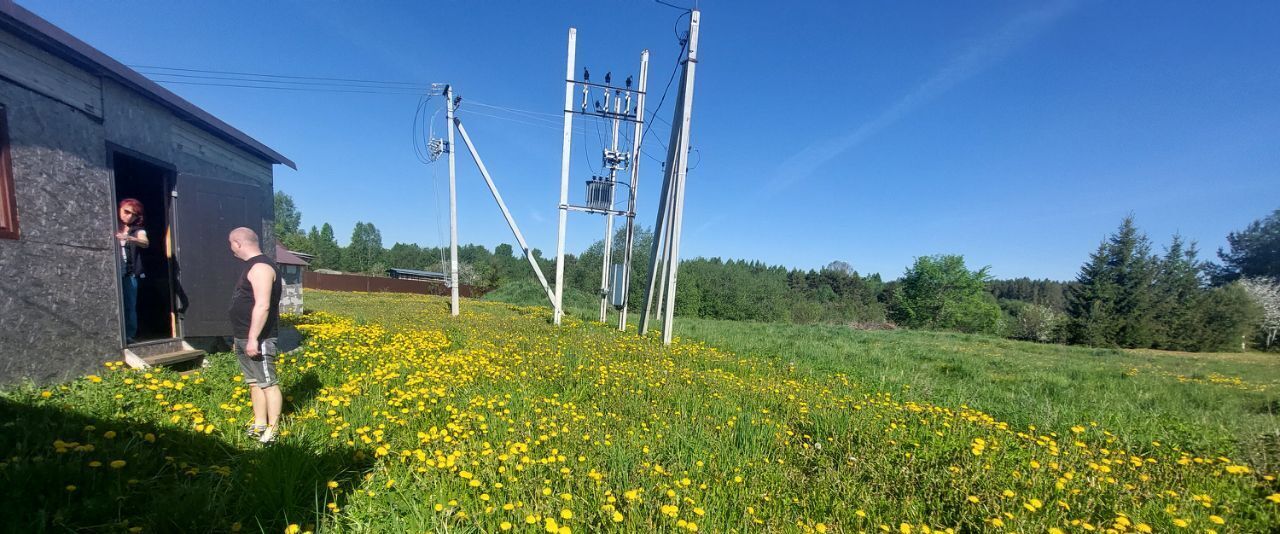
pixel 79 131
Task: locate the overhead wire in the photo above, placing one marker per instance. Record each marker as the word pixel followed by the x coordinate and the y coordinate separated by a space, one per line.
pixel 295 89
pixel 291 77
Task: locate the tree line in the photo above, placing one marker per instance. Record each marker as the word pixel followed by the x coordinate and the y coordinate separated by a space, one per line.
pixel 1125 295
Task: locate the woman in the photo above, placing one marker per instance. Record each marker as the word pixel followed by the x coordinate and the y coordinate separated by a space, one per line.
pixel 131 237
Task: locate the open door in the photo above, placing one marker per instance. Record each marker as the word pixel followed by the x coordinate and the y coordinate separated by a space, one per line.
pixel 151 184
pixel 207 210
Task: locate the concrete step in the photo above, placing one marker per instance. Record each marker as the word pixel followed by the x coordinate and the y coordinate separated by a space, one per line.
pixel 171 358
pixel 165 352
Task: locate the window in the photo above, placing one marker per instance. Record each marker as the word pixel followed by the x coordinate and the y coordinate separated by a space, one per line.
pixel 8 204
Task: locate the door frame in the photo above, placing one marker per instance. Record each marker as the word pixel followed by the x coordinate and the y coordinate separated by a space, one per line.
pixel 169 183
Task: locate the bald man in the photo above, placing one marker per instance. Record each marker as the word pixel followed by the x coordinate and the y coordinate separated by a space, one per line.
pixel 255 309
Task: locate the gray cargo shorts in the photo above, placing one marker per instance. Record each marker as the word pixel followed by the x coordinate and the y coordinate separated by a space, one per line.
pixel 259 371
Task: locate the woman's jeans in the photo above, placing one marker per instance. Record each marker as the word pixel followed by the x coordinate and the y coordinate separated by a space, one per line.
pixel 129 283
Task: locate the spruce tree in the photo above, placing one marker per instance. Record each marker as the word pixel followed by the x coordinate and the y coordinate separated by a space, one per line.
pixel 1090 303
pixel 1179 291
pixel 1113 300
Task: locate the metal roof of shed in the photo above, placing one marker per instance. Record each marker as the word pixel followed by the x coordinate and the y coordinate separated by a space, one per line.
pixel 53 39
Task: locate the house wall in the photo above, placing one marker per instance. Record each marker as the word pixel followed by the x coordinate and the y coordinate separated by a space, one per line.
pixel 59 293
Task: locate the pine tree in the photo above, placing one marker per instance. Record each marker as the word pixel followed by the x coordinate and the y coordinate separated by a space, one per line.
pixel 1179 290
pixel 1090 303
pixel 1112 303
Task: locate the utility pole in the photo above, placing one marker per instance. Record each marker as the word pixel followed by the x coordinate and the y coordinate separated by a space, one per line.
pixel 618 108
pixel 453 211
pixel 638 132
pixel 564 175
pixel 671 210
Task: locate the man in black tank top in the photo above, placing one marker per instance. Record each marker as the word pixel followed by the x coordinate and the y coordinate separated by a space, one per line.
pixel 254 312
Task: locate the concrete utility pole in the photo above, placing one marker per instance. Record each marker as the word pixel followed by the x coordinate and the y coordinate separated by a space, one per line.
pixel 671 210
pixel 453 211
pixel 564 175
pixel 602 190
pixel 638 132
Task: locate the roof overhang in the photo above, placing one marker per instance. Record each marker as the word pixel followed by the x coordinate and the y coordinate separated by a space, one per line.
pixel 53 39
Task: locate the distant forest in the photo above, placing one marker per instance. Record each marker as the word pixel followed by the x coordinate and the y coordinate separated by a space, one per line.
pixel 1124 296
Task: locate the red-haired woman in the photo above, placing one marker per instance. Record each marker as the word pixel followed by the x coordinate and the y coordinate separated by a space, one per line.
pixel 131 237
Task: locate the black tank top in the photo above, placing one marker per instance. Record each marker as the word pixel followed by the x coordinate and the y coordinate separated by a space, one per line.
pixel 241 311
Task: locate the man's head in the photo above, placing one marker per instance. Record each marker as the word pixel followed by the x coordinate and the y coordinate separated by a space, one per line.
pixel 244 243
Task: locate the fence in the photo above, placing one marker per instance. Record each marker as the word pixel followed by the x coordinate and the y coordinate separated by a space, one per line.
pixel 355 282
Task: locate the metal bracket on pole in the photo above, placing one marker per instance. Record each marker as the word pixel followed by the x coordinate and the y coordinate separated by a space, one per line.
pixel 506 214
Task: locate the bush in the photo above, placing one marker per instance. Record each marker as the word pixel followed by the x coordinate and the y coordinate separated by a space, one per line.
pixel 1032 322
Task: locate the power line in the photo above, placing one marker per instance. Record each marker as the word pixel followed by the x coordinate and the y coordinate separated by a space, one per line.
pixel 555 117
pixel 673 6
pixel 205 71
pixel 282 82
pixel 649 124
pixel 295 89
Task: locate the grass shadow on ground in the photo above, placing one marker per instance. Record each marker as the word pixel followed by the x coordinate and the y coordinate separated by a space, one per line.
pixel 70 471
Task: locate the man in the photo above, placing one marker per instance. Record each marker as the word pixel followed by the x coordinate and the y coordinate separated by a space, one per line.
pixel 255 309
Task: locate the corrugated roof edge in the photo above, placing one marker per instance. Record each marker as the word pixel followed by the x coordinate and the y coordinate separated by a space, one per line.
pixel 63 44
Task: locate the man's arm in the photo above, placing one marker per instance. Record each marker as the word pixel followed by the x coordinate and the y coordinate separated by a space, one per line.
pixel 261 277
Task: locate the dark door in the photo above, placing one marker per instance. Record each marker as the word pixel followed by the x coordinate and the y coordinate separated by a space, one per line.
pixel 207 211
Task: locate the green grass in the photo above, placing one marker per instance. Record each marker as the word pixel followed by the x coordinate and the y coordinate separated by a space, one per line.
pixel 1227 402
pixel 402 418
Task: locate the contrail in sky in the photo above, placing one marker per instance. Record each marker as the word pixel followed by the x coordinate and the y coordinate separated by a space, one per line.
pixel 967 64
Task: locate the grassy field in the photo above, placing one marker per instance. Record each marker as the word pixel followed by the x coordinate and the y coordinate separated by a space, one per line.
pixel 402 419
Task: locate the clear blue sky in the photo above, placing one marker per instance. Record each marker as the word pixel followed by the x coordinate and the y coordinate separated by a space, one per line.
pixel 1015 133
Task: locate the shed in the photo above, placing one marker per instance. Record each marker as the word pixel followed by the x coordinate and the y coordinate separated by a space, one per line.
pixel 79 131
pixel 291 267
pixel 413 274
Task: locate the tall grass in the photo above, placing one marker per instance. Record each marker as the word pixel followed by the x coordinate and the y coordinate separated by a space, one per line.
pixel 404 419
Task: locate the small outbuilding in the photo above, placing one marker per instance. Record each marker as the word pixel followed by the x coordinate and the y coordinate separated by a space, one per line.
pixel 79 132
pixel 291 268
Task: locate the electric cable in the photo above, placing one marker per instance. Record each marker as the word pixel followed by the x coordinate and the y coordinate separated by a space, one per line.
pixel 207 71
pixel 286 82
pixel 295 89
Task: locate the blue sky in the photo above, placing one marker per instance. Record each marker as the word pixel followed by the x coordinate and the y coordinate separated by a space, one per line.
pixel 1015 133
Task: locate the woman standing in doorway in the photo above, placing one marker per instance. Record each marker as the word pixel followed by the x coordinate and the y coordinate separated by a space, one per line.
pixel 131 237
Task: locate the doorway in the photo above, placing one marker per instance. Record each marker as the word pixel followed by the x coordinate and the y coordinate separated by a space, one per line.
pixel 150 183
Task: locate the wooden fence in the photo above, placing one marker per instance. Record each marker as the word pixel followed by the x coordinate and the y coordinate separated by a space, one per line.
pixel 372 284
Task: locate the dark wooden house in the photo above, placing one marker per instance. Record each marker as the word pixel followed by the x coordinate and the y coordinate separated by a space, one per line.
pixel 79 131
